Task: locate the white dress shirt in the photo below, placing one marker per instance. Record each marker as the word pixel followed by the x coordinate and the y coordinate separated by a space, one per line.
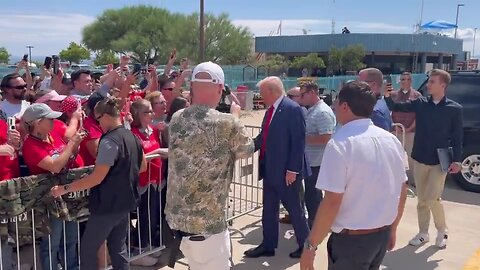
pixel 366 164
pixel 275 106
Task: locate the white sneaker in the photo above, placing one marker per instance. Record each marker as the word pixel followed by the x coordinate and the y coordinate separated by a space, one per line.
pixel 419 239
pixel 441 241
pixel 145 261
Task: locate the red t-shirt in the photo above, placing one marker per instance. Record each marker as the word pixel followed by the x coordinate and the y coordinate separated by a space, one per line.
pixel 9 167
pixel 94 131
pixel 149 144
pixel 135 95
pixel 60 127
pixel 35 150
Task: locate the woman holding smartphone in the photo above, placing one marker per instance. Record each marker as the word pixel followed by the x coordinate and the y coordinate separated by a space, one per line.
pixel 49 153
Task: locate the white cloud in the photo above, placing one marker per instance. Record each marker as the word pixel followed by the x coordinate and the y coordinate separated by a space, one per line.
pixel 47 33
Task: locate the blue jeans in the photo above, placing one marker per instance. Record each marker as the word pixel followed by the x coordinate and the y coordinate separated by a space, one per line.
pixel 7 256
pixel 143 225
pixel 313 196
pixel 57 244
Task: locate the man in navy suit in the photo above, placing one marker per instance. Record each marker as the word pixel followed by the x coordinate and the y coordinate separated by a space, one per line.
pixel 282 166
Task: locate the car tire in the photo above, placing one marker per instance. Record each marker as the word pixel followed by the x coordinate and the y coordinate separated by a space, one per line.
pixel 469 177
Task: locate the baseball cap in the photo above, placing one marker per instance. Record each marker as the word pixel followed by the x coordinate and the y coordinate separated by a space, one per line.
pixel 70 104
pixel 47 95
pixel 39 110
pixel 215 71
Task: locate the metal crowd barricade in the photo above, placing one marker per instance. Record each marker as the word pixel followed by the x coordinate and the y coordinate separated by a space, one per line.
pixel 396 126
pixel 246 189
pixel 16 255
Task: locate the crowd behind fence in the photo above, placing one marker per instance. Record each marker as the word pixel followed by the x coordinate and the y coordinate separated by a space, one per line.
pixel 21 234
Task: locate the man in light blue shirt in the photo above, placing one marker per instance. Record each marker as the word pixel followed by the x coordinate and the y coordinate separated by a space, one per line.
pixel 320 125
pixel 381 116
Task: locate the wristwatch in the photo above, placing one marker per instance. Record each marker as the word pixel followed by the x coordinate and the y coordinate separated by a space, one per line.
pixel 66 187
pixel 308 246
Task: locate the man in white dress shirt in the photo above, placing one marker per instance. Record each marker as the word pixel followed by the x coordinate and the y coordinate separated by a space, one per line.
pixel 363 176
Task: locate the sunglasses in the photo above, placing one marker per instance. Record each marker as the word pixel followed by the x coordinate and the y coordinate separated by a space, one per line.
pixel 97 118
pixel 304 93
pixel 168 89
pixel 19 87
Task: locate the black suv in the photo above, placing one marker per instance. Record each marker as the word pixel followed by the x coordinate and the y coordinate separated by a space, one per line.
pixel 465 89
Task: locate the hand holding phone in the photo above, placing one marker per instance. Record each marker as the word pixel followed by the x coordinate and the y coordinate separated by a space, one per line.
pixel 56 64
pixel 11 123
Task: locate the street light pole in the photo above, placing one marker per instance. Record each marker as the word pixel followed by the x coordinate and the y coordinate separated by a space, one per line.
pixel 202 31
pixel 30 47
pixel 456 20
pixel 474 39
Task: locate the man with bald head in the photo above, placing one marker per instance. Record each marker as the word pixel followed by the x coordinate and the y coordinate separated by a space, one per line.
pixel 282 166
pixel 294 94
pixel 381 116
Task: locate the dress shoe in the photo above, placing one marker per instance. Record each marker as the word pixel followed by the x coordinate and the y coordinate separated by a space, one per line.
pixel 259 251
pixel 296 254
pixel 285 219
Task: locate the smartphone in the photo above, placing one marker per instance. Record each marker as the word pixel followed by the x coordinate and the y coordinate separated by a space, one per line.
pixel 25 57
pixel 11 123
pixel 56 63
pixel 151 61
pixel 48 62
pixel 388 79
pixel 137 68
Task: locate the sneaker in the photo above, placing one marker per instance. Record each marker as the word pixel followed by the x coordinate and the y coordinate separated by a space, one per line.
pixel 441 240
pixel 145 261
pixel 419 239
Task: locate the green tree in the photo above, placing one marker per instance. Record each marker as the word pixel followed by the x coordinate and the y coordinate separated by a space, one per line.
pixel 275 64
pixel 148 32
pixel 310 62
pixel 335 60
pixel 4 55
pixel 75 53
pixel 353 57
pixel 349 58
pixel 105 57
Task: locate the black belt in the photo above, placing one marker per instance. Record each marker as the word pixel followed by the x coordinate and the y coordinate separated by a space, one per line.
pixel 191 236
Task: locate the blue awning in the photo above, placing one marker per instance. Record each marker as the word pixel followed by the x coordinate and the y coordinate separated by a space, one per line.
pixel 439 25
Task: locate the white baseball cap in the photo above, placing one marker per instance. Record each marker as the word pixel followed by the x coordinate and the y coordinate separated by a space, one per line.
pixel 215 71
pixel 48 94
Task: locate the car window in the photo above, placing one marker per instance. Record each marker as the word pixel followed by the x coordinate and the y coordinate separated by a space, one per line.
pixel 466 91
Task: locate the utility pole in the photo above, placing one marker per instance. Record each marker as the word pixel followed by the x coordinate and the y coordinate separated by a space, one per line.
pixel 474 39
pixel 202 31
pixel 456 20
pixel 30 47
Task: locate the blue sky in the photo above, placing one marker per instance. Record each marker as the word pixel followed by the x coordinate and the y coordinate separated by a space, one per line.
pixel 51 25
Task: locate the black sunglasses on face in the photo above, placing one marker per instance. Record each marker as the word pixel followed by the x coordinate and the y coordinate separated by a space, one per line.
pixel 19 87
pixel 97 118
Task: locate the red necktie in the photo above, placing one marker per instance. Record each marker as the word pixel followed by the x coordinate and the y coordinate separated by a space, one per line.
pixel 265 127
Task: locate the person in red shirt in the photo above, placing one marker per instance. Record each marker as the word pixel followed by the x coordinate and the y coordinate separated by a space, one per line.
pixel 149 136
pixel 49 153
pixel 9 140
pixel 89 145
